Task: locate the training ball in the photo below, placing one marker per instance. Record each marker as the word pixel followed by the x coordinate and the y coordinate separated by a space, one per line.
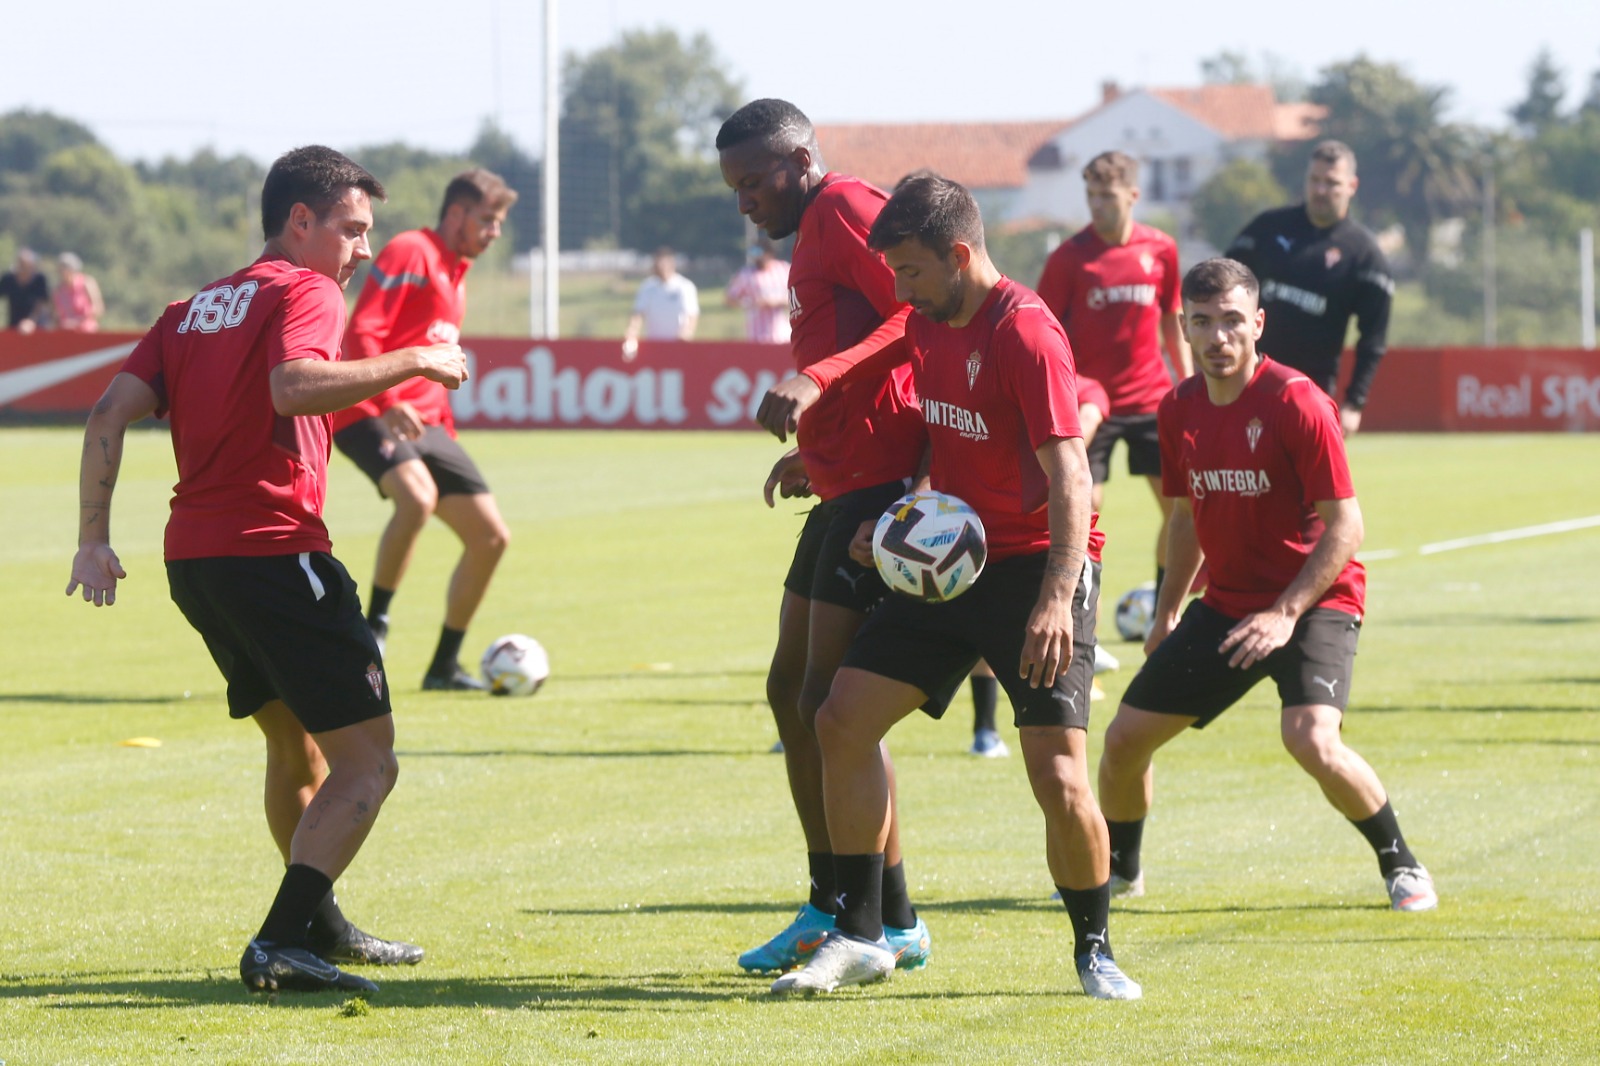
pixel 1136 611
pixel 929 546
pixel 515 665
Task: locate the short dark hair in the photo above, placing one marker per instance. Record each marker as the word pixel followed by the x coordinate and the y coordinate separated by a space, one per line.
pixel 1113 168
pixel 936 211
pixel 314 175
pixel 1333 152
pixel 475 186
pixel 777 124
pixel 1213 277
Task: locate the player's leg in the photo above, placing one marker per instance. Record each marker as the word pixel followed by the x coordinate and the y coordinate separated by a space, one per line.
pixel 860 709
pixel 295 769
pixel 395 467
pixel 1314 672
pixel 465 504
pixel 986 740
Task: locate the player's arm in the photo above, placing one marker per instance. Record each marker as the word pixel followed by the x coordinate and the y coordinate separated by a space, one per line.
pixel 788 477
pixel 878 353
pixel 1260 634
pixel 1374 297
pixel 320 387
pixel 1047 643
pixel 1183 563
pixel 95 567
pixel 1176 344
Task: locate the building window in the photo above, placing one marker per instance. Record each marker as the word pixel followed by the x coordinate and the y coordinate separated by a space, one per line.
pixel 1182 178
pixel 1158 180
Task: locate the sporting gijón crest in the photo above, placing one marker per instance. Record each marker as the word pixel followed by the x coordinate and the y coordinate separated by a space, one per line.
pixel 375 679
pixel 1252 433
pixel 974 364
pixel 896 541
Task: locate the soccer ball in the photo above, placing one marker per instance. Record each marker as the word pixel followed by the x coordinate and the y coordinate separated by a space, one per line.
pixel 515 665
pixel 929 546
pixel 1136 611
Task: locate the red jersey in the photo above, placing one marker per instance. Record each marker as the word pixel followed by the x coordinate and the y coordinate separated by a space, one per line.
pixel 1110 299
pixel 415 294
pixel 1093 393
pixel 1252 470
pixel 867 431
pixel 250 481
pixel 994 391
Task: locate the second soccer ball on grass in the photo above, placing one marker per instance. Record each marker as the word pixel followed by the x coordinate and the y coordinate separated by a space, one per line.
pixel 515 665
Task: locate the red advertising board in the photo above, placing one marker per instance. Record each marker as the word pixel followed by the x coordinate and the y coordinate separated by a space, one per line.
pixel 584 384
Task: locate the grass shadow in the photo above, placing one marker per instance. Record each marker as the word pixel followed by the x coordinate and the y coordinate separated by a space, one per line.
pixel 505 753
pixel 87 699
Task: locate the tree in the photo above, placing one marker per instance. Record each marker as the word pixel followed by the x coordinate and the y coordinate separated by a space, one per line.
pixel 638 123
pixel 28 138
pixel 1416 168
pixel 1233 196
pixel 1547 87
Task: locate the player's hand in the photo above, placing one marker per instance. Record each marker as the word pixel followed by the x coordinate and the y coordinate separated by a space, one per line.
pixel 788 477
pixel 444 363
pixel 861 545
pixel 630 349
pixel 1256 637
pixel 1161 627
pixel 403 421
pixel 1349 421
pixel 97 569
pixel 1047 643
pixel 784 403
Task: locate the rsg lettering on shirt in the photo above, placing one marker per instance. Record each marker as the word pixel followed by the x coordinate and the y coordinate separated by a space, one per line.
pixel 1238 482
pixel 969 424
pixel 1309 302
pixel 217 308
pixel 1100 296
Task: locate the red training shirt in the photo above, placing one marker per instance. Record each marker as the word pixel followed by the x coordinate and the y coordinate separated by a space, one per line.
pixel 993 392
pixel 415 294
pixel 250 481
pixel 1110 299
pixel 867 431
pixel 1252 470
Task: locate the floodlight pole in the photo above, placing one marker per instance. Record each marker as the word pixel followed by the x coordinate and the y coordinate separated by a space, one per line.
pixel 1586 284
pixel 1489 293
pixel 551 202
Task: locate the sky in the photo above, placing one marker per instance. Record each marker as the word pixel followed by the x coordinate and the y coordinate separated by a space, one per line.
pixel 168 77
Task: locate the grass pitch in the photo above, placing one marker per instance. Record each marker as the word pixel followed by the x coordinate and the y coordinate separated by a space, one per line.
pixel 584 866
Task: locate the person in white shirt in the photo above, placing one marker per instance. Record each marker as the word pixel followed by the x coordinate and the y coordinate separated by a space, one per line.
pixel 666 309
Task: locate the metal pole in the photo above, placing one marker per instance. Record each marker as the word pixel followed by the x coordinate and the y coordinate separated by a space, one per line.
pixel 551 207
pixel 1586 284
pixel 1489 294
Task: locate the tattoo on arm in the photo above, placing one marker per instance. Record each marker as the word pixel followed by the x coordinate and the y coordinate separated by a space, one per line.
pixel 105 449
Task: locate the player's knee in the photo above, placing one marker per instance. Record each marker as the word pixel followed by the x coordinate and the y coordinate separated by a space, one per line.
pixel 783 693
pixel 813 694
pixel 839 731
pixel 1122 749
pixel 1311 743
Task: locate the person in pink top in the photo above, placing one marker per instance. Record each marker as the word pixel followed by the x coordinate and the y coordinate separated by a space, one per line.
pixel 762 288
pixel 77 298
pixel 1253 460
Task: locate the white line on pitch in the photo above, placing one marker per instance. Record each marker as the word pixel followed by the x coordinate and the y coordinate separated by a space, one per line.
pixel 1511 534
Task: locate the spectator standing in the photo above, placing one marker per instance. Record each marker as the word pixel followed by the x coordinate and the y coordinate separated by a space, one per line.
pixel 667 307
pixel 77 298
pixel 26 292
pixel 761 287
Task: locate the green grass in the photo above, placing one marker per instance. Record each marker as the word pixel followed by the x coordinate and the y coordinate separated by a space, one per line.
pixel 584 866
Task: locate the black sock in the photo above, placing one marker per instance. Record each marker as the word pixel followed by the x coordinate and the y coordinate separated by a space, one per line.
pixel 328 924
pixel 1161 575
pixel 985 696
pixel 1125 838
pixel 824 890
pixel 897 910
pixel 445 656
pixel 299 896
pixel 860 895
pixel 1382 831
pixel 1090 911
pixel 378 604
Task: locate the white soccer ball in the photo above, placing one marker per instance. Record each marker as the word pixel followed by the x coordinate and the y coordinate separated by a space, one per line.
pixel 1136 611
pixel 515 665
pixel 929 546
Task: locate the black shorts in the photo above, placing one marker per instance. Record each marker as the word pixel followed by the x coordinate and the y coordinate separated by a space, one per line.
pixel 376 450
pixel 1187 675
pixel 1144 446
pixel 934 646
pixel 285 627
pixel 822 569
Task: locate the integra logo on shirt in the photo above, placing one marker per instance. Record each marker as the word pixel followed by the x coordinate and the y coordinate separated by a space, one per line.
pixel 1099 297
pixel 1238 482
pixel 1309 302
pixel 219 308
pixel 969 424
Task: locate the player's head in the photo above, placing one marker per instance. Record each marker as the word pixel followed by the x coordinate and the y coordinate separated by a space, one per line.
pixel 664 263
pixel 475 206
pixel 769 156
pixel 1330 182
pixel 1222 316
pixel 316 208
pixel 1111 185
pixel 931 234
pixel 27 262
